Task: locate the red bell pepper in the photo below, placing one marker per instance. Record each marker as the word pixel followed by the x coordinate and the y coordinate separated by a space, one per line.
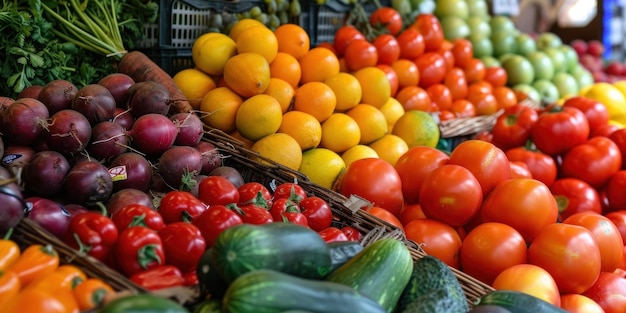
pixel 183 245
pixel 92 233
pixel 159 277
pixel 137 215
pixel 139 248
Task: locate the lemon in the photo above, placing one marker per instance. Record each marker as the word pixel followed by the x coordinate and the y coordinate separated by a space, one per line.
pixel 612 98
pixel 358 152
pixel 194 84
pixel 280 148
pixel 322 166
pixel 211 52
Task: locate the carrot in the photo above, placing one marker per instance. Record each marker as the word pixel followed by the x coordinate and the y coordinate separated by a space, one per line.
pixel 140 67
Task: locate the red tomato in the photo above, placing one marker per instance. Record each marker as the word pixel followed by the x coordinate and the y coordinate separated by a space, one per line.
pixel 519 170
pixel 490 248
pixel 475 70
pixel 432 68
pixel 214 220
pixel 385 216
pixel 619 138
pixel 410 212
pixel 496 76
pixel 526 204
pixel 411 44
pixel 360 53
pixel 343 36
pixel 451 194
pixel 463 108
pixel 574 196
pixel 606 235
pixel 596 112
pixel 428 25
pixel 435 238
pixel 440 96
pixel 604 130
pixel 317 211
pixel 445 115
pixel 282 205
pixel 484 160
pixel 542 167
pixel 217 190
pixel 530 279
pixel 387 18
pixel 463 51
pixel 577 303
pixel 446 52
pixel 254 192
pixel 252 214
pixel 594 161
pixel 183 245
pixel 619 220
pixel 375 180
pixel 414 98
pixel 177 205
pixel 512 127
pixel 559 129
pixel 352 233
pixel 608 291
pixel 290 190
pixel 392 77
pixel 569 253
pixel 505 96
pixel 332 234
pixel 485 103
pixel 456 83
pixel 387 47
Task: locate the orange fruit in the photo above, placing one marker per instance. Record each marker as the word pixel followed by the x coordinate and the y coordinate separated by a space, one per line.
pixel 280 148
pixel 287 68
pixel 374 84
pixel 322 166
pixel 358 152
pixel 315 98
pixel 389 148
pixel 340 132
pixel 392 110
pixel 219 108
pixel 211 51
pixel 303 127
pixel 248 74
pixel 292 39
pixel 282 91
pixel 371 121
pixel 258 116
pixel 242 25
pixel 407 72
pixel 194 84
pixel 347 90
pixel 417 128
pixel 258 39
pixel 318 64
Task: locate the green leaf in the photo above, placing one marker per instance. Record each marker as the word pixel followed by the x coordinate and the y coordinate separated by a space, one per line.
pixel 13 78
pixel 22 60
pixel 36 60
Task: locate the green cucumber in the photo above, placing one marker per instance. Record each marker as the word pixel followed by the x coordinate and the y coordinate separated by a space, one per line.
pixel 380 271
pixel 210 278
pixel 268 291
pixel 142 303
pixel 342 251
pixel 437 300
pixel 518 302
pixel 430 273
pixel 284 247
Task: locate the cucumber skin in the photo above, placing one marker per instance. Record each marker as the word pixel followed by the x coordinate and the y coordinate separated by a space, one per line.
pixel 430 273
pixel 342 251
pixel 380 271
pixel 518 302
pixel 438 300
pixel 268 291
pixel 284 247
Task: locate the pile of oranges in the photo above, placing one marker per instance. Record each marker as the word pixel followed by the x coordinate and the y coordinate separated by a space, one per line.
pixel 311 109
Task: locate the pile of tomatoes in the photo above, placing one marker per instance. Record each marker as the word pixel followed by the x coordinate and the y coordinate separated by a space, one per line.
pixel 536 204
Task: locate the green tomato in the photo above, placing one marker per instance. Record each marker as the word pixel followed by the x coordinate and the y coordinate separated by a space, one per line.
pixel 519 70
pixel 458 8
pixel 542 64
pixel 454 27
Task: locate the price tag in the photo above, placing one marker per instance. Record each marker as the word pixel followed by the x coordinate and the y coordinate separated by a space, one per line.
pixel 506 7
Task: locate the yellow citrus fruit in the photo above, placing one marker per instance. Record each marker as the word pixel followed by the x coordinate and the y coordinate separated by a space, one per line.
pixel 417 128
pixel 371 121
pixel 315 98
pixel 287 68
pixel 358 152
pixel 612 98
pixel 219 108
pixel 211 51
pixel 293 39
pixel 303 127
pixel 242 25
pixel 374 84
pixel 340 132
pixel 282 91
pixel 318 64
pixel 194 84
pixel 322 166
pixel 248 74
pixel 392 110
pixel 280 148
pixel 258 116
pixel 347 90
pixel 258 39
pixel 389 148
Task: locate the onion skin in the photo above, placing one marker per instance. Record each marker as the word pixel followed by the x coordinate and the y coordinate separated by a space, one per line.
pixel 68 132
pixel 95 102
pixel 57 95
pixel 176 162
pixel 22 121
pixel 138 172
pixel 127 196
pixel 45 173
pixel 48 214
pixel 88 183
pixel 13 206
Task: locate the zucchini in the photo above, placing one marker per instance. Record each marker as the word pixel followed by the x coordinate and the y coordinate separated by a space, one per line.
pixel 430 273
pixel 518 302
pixel 210 279
pixel 269 291
pixel 284 247
pixel 342 251
pixel 209 306
pixel 142 303
pixel 437 300
pixel 380 271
